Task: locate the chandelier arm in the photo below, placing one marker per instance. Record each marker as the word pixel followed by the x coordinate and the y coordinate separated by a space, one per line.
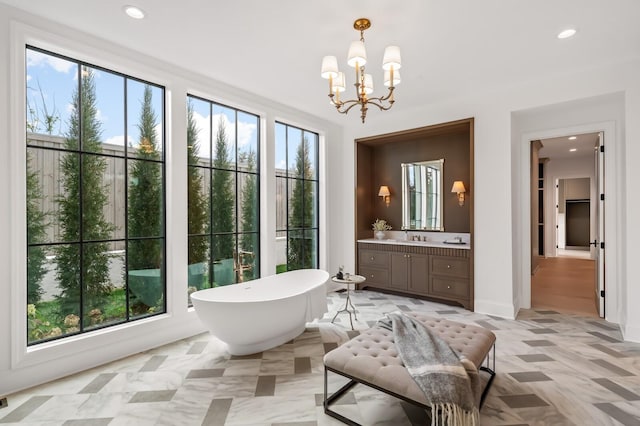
pixel 352 102
pixel 386 97
pixel 379 105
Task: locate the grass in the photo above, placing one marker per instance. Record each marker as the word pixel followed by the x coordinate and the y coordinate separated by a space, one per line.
pixel 42 326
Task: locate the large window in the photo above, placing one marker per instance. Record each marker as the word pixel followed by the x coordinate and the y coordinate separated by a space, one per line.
pixel 223 194
pixel 296 198
pixel 95 197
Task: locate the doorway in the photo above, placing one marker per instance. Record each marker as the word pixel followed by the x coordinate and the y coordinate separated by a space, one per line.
pixel 565 277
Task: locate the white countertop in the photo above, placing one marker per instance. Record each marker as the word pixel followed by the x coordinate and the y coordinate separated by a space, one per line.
pixel 464 246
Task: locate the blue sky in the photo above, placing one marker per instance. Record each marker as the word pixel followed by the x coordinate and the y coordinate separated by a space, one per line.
pixel 51 82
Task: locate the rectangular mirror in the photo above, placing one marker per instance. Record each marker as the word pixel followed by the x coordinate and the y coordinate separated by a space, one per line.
pixel 422 192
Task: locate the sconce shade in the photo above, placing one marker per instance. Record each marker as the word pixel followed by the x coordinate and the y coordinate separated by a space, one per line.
pixel 458 187
pixel 385 194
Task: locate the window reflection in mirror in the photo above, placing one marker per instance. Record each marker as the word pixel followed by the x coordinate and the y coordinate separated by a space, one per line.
pixel 422 192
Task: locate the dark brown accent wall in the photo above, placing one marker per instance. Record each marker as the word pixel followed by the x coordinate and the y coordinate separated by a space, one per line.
pixel 379 160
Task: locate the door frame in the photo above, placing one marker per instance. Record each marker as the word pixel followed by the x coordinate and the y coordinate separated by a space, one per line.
pixel 611 211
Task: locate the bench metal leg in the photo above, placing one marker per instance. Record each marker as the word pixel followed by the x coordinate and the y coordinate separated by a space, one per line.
pixel 336 395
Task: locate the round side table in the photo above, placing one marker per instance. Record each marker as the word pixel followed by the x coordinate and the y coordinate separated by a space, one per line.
pixel 350 280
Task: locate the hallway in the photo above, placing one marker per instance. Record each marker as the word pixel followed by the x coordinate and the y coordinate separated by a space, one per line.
pixel 564 284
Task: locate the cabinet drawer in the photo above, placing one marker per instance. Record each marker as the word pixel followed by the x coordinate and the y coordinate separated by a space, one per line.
pixel 375 277
pixel 447 287
pixel 450 266
pixel 373 258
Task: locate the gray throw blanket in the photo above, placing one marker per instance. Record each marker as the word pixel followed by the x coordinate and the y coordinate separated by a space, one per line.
pixel 449 381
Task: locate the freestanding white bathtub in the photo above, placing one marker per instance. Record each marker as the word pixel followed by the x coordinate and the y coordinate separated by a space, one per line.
pixel 257 315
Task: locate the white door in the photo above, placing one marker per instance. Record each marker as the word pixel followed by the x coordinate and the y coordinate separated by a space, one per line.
pixel 599 240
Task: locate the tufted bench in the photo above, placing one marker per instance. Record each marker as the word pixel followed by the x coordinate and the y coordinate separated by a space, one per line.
pixel 371 359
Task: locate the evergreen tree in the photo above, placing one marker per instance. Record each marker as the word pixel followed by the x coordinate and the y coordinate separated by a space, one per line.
pixel 249 205
pixel 36 233
pixel 198 205
pixel 222 197
pixel 301 208
pixel 145 193
pixel 83 123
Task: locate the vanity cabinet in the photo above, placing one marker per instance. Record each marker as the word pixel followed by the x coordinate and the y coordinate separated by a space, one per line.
pixel 443 274
pixel 374 266
pixel 409 272
pixel 449 278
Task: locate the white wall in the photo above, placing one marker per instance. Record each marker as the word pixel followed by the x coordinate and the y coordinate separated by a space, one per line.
pixel 21 367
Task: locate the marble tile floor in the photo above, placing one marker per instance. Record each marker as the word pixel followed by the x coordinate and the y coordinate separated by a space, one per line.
pixel 552 369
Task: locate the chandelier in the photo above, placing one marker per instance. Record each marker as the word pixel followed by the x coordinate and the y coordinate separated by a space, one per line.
pixel 357 58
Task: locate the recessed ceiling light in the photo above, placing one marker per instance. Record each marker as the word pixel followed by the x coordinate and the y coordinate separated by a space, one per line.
pixel 572 138
pixel 134 12
pixel 569 32
pixel 573 150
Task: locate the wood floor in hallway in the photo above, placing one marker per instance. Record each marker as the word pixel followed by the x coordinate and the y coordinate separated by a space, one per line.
pixel 565 284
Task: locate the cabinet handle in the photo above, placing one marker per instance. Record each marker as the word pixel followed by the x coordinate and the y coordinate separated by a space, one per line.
pixel 449 287
pixel 409 256
pixel 448 266
pixel 371 257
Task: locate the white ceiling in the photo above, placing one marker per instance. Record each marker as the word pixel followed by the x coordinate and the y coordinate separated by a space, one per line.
pixel 557 148
pixel 450 48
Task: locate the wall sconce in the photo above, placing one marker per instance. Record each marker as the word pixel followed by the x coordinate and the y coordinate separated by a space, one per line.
pixel 458 188
pixel 385 194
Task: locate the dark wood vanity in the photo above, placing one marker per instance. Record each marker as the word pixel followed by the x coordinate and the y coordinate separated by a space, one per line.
pixel 427 271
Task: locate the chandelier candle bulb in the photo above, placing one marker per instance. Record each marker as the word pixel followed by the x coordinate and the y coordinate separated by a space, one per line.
pixel 338 83
pixel 388 81
pixel 368 84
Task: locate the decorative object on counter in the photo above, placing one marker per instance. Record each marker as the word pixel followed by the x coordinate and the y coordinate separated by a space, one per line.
pixel 357 58
pixel 339 274
pixel 459 189
pixel 379 226
pixel 385 194
pixel 456 240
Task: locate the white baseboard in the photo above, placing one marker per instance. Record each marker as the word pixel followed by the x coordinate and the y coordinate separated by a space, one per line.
pixel 488 307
